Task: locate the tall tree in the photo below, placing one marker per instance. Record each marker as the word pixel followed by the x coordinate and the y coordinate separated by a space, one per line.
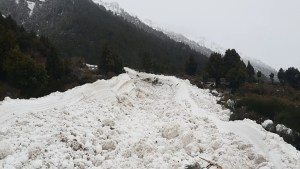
pixel 281 76
pixel 272 77
pixel 231 58
pixel 110 61
pixel 293 77
pixel 54 65
pixel 214 67
pixel 250 72
pixel 237 75
pixel 191 66
pixel 258 74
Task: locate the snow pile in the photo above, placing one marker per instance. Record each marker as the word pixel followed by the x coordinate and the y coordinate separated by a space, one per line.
pixel 135 120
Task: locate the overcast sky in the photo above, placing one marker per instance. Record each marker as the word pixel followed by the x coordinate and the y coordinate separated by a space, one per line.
pixel 268 30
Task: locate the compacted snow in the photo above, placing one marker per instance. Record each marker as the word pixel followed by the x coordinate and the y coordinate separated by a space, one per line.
pixel 135 120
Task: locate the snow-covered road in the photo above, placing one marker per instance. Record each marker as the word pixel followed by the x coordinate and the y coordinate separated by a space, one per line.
pixel 131 121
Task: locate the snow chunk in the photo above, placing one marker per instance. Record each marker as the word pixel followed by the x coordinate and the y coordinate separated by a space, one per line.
pixel 283 128
pixel 230 103
pixel 170 131
pixel 267 123
pixel 5 150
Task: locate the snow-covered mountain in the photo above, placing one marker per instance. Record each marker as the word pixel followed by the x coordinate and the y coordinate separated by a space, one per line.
pixel 200 44
pixel 134 120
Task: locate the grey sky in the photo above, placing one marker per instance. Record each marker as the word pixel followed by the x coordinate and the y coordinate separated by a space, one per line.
pixel 268 30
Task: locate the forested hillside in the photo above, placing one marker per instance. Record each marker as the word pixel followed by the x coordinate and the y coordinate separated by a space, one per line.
pixel 30 66
pixel 27 62
pixel 80 28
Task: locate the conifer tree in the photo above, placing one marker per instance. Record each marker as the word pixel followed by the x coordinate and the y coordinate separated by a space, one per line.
pixel 281 76
pixel 258 74
pixel 250 72
pixel 191 66
pixel 214 67
pixel 272 77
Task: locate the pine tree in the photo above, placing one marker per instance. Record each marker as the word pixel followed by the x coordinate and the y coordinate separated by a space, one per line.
pixel 214 67
pixel 110 61
pixel 237 75
pixel 258 74
pixel 293 77
pixel 272 77
pixel 231 59
pixel 191 66
pixel 281 76
pixel 250 72
pixel 54 65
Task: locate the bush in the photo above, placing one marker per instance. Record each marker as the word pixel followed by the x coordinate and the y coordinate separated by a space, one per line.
pixel 281 111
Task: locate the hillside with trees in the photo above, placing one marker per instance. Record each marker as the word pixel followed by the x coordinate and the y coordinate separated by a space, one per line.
pixel 80 28
pixel 24 58
pixel 255 98
pixel 30 66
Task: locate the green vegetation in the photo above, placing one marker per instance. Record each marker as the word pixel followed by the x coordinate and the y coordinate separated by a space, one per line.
pixel 21 59
pixel 266 101
pixel 30 66
pixel 255 98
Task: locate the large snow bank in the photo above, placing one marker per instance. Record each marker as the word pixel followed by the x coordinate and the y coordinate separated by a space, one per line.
pixel 132 122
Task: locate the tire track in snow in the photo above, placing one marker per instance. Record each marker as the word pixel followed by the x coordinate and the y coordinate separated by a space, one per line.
pixel 240 128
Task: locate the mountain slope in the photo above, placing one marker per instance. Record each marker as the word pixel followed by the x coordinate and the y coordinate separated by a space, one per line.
pixel 135 120
pixel 80 28
pixel 201 45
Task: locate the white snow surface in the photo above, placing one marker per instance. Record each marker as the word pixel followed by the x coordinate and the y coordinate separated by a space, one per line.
pixel 130 121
